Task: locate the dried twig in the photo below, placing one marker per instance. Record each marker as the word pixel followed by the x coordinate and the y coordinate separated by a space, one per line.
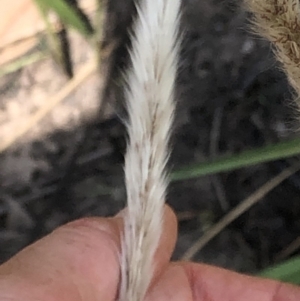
pixel 289 250
pixel 238 210
pixel 213 150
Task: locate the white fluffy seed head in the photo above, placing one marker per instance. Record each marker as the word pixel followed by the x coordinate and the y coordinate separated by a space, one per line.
pixel 150 98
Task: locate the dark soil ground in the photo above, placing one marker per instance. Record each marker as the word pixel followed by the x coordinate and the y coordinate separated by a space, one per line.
pixel 231 97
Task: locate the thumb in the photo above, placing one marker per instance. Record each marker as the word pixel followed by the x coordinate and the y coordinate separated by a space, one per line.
pixel 78 261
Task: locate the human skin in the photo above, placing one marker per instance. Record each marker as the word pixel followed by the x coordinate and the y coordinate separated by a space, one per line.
pixel 80 262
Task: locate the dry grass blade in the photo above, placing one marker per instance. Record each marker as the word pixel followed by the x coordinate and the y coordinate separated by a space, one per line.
pixel 279 22
pixel 289 250
pixel 88 69
pixel 237 211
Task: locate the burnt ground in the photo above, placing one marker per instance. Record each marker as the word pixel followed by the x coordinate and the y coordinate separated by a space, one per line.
pixel 231 97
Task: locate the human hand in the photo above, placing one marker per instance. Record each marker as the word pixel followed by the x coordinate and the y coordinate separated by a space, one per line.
pixel 80 262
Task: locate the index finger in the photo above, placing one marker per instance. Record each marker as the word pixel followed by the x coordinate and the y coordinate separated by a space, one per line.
pixel 199 282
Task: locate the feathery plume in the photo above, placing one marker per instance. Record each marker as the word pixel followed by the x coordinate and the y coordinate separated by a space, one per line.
pixel 279 22
pixel 150 97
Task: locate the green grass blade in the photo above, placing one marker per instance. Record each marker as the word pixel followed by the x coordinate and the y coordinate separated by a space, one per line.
pixel 66 14
pixel 246 158
pixel 21 63
pixel 52 37
pixel 289 271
